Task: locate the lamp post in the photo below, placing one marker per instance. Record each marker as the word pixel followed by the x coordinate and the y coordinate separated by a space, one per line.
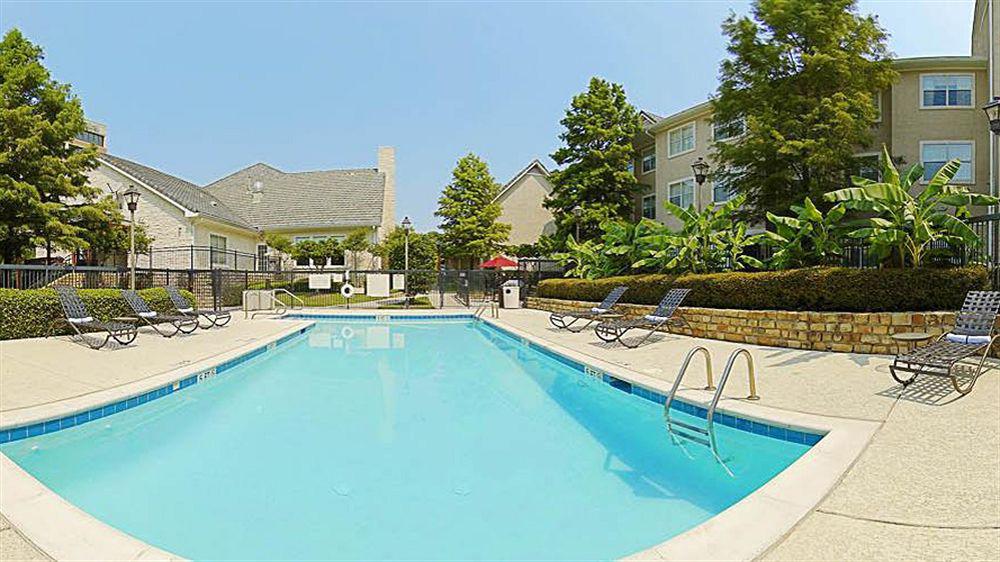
pixel 700 169
pixel 407 225
pixel 132 201
pixel 577 213
pixel 992 111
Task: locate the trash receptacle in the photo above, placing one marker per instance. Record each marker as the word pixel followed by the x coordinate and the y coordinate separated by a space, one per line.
pixel 511 294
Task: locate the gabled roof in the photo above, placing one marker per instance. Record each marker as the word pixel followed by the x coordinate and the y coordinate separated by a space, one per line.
pixel 649 116
pixel 535 166
pixel 304 199
pixel 181 192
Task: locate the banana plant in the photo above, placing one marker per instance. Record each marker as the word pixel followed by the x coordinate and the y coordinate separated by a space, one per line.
pixel 698 247
pixel 623 242
pixel 733 244
pixel 807 239
pixel 584 260
pixel 908 225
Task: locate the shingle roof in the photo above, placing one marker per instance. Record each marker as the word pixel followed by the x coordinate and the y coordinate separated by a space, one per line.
pixel 304 199
pixel 184 193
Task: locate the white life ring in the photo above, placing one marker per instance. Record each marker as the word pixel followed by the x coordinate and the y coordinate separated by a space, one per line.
pixel 347 332
pixel 346 290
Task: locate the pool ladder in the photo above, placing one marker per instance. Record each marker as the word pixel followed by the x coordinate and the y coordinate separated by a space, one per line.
pixel 706 435
pixel 490 305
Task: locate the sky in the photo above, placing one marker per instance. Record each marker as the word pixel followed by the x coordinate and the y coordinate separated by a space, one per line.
pixel 201 89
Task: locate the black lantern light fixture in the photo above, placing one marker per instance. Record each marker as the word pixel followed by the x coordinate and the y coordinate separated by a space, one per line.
pixel 992 111
pixel 700 169
pixel 131 196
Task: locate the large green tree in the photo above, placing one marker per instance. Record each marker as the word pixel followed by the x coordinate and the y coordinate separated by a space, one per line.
pixel 597 151
pixel 44 195
pixel 469 211
pixel 802 76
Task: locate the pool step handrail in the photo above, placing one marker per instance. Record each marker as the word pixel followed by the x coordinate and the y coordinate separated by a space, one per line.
pixel 706 435
pixel 278 308
pixel 483 306
pixel 295 298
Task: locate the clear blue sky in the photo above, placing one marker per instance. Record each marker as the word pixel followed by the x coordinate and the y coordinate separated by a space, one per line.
pixel 200 90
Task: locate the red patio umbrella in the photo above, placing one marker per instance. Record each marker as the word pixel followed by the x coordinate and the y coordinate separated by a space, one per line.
pixel 497 263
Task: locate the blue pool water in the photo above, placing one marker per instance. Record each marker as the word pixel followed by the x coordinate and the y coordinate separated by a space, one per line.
pixel 425 440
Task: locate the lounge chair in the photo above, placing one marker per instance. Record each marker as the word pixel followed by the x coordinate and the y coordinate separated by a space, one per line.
pixel 664 315
pixel 155 320
pixel 567 320
pixel 973 336
pixel 214 317
pixel 82 322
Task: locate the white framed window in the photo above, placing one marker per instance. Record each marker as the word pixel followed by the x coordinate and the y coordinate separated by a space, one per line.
pixel 680 140
pixel 217 245
pixel 721 190
pixel 648 160
pixel 935 154
pixel 730 130
pixel 649 206
pixel 681 193
pixel 868 166
pixel 947 90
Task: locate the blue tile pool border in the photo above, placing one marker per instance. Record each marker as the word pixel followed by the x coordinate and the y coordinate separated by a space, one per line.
pixel 40 428
pixel 752 426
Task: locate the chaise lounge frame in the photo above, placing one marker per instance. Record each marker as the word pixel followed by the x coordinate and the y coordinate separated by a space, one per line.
pixel 975 323
pixel 664 315
pixel 82 322
pixel 155 320
pixel 567 320
pixel 215 318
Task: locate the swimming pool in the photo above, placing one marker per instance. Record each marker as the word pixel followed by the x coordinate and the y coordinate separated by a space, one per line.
pixel 421 439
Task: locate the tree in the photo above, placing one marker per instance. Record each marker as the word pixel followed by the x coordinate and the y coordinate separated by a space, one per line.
pixel 317 251
pixel 600 125
pixel 423 256
pixel 279 242
pixel 44 196
pixel 800 84
pixel 107 234
pixel 469 211
pixel 355 243
pixel 906 225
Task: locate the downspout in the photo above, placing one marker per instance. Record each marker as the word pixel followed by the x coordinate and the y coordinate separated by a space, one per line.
pixel 991 55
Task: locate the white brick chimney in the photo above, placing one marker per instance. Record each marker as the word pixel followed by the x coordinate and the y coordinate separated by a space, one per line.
pixel 387 165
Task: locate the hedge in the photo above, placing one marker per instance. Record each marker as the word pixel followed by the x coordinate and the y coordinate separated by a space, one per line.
pixel 832 289
pixel 28 313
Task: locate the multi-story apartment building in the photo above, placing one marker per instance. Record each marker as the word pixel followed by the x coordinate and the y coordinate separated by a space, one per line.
pixel 932 114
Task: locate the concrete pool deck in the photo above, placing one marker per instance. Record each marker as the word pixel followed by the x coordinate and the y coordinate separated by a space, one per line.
pixel 927 486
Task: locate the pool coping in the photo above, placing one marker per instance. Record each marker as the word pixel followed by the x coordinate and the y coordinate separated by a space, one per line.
pixel 751 526
pixel 754 524
pixel 56 526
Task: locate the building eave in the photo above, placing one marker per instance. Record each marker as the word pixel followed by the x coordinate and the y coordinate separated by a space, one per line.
pixel 936 63
pixel 683 116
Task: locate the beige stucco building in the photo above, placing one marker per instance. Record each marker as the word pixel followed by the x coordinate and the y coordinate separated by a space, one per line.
pixel 929 116
pixel 521 200
pixel 222 225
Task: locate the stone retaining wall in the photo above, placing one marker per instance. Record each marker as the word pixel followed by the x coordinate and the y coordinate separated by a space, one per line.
pixel 858 332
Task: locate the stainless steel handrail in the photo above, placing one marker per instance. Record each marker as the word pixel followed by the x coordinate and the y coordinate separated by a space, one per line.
pixel 722 385
pixel 302 303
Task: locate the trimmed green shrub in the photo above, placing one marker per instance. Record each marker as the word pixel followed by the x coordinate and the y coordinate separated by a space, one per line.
pixel 818 289
pixel 29 313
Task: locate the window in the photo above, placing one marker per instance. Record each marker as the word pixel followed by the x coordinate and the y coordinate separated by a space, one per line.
pixel 946 90
pixel 649 206
pixel 721 190
pixel 681 193
pixel 680 140
pixel 217 245
pixel 877 99
pixel 728 130
pixel 935 154
pixel 648 160
pixel 91 137
pixel 868 167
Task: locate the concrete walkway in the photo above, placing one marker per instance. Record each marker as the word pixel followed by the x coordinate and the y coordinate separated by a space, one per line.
pixel 927 487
